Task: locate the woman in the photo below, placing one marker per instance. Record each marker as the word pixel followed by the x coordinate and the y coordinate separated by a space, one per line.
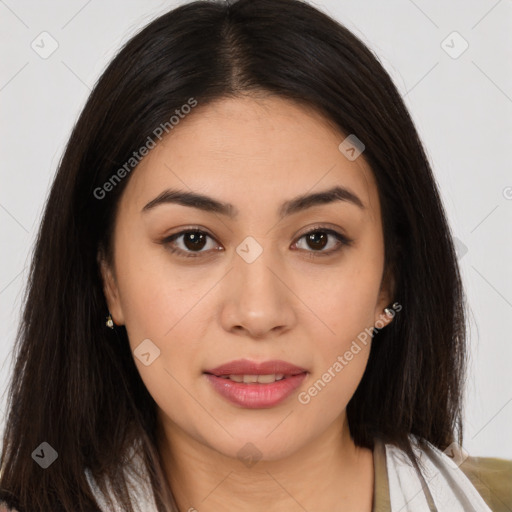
pixel 244 293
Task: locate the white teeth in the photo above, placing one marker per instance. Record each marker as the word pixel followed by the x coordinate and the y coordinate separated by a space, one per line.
pixel 266 379
pixel 250 379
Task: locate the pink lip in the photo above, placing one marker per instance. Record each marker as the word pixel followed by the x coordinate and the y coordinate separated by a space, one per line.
pixel 246 367
pixel 256 395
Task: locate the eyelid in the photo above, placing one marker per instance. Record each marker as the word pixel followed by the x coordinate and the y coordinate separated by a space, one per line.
pixel 344 240
pixel 167 241
pixel 327 228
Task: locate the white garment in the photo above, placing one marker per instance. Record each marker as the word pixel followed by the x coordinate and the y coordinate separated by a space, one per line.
pixel 442 487
pixel 141 493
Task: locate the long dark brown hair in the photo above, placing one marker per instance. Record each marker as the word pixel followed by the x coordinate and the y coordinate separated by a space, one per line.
pixel 74 382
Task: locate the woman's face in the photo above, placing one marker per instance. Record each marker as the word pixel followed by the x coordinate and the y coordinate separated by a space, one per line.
pixel 251 285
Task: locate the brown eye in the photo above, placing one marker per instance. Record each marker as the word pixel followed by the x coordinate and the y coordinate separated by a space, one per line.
pixel 318 239
pixel 194 240
pixel 189 243
pixel 193 243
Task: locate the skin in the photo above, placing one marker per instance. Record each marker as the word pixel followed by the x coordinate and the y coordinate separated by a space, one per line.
pixel 255 153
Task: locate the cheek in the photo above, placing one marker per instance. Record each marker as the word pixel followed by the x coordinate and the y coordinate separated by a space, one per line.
pixel 327 393
pixel 343 299
pixel 344 304
pixel 155 295
pixel 343 354
pixel 340 359
pixel 162 303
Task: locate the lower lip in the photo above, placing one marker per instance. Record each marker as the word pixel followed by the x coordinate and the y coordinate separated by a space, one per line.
pixel 256 395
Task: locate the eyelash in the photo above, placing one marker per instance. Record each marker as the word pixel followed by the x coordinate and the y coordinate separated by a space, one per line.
pixel 343 242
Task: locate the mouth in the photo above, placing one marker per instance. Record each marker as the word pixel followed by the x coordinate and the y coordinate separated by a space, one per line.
pixel 256 385
pixel 251 379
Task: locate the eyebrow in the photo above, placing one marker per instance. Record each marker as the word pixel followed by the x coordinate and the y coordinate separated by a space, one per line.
pixel 209 204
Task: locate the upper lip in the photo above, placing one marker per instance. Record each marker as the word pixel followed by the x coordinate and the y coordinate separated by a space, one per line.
pixel 247 367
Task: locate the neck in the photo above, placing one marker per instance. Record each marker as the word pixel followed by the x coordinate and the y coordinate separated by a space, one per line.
pixel 330 473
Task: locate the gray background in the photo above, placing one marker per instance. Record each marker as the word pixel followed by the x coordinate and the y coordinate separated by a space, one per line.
pixel 462 108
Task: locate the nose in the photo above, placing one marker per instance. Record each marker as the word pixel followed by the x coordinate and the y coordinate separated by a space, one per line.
pixel 257 299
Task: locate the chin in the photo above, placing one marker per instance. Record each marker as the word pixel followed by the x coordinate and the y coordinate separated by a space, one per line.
pixel 251 446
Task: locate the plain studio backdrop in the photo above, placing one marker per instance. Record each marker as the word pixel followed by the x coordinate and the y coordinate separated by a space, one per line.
pixel 451 63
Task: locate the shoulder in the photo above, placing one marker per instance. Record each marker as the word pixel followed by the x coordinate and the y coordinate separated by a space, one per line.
pixel 492 478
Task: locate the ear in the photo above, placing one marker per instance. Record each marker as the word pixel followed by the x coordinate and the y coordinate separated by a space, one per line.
pixel 386 294
pixel 110 289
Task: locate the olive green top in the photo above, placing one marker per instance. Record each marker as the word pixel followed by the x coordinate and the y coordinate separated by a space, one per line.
pixel 491 477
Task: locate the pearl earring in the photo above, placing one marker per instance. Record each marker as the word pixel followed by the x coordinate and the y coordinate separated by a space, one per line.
pixel 391 312
pixel 110 322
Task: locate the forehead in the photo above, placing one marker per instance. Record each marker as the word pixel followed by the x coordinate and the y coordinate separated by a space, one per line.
pixel 243 150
